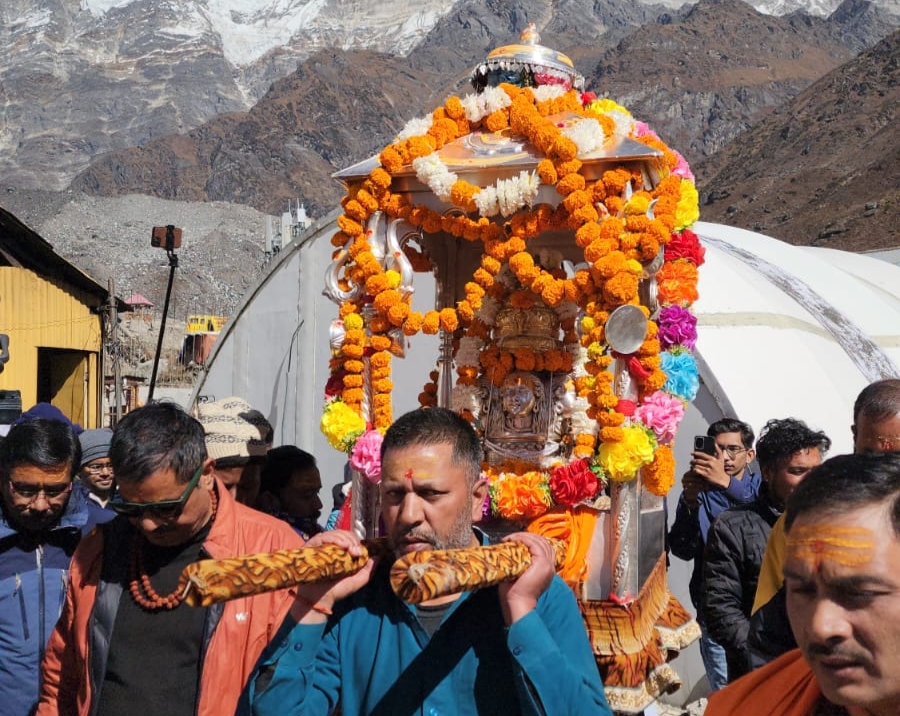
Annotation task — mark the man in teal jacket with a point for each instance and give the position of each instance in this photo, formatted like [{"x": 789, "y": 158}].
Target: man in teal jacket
[{"x": 518, "y": 648}]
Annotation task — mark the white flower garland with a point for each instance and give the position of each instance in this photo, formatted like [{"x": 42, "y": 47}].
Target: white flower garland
[
  {"x": 416, "y": 127},
  {"x": 587, "y": 134},
  {"x": 623, "y": 123},
  {"x": 432, "y": 172},
  {"x": 544, "y": 92},
  {"x": 479, "y": 106},
  {"x": 507, "y": 196}
]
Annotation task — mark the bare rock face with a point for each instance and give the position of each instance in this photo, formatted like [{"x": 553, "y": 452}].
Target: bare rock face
[
  {"x": 75, "y": 85},
  {"x": 700, "y": 82},
  {"x": 150, "y": 110},
  {"x": 825, "y": 168},
  {"x": 82, "y": 77},
  {"x": 222, "y": 253}
]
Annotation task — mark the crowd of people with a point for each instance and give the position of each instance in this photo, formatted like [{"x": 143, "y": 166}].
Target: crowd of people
[{"x": 795, "y": 582}]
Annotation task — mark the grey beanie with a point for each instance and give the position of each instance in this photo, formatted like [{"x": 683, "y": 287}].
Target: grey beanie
[{"x": 94, "y": 444}]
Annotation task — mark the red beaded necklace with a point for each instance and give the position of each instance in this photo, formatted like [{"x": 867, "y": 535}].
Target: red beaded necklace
[{"x": 142, "y": 591}]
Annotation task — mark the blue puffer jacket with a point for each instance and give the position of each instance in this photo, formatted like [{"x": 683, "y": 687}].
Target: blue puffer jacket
[{"x": 34, "y": 570}]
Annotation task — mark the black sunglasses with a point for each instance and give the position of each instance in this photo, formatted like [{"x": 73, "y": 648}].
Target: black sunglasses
[{"x": 164, "y": 509}]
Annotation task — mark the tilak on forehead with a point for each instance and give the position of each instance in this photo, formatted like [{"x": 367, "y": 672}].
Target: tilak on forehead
[{"x": 815, "y": 544}]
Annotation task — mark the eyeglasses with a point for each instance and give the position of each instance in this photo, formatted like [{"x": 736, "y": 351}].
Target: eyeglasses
[
  {"x": 30, "y": 492},
  {"x": 164, "y": 509},
  {"x": 97, "y": 469},
  {"x": 733, "y": 450}
]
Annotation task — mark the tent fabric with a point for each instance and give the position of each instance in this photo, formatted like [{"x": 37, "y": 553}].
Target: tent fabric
[{"x": 794, "y": 331}]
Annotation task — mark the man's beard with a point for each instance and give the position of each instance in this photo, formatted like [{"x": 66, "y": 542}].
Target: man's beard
[{"x": 458, "y": 536}]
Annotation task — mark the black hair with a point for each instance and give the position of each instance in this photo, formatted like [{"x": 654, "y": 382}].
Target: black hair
[
  {"x": 40, "y": 442},
  {"x": 878, "y": 401},
  {"x": 280, "y": 464},
  {"x": 781, "y": 438},
  {"x": 845, "y": 482},
  {"x": 432, "y": 426},
  {"x": 158, "y": 436},
  {"x": 732, "y": 425}
]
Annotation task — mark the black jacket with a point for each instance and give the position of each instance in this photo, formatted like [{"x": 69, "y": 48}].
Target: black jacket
[
  {"x": 734, "y": 552},
  {"x": 770, "y": 631}
]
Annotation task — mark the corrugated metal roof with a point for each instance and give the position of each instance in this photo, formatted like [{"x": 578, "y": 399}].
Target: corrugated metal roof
[{"x": 23, "y": 247}]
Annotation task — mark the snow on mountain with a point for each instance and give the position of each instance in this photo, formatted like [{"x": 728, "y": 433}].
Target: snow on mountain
[
  {"x": 820, "y": 8},
  {"x": 249, "y": 29}
]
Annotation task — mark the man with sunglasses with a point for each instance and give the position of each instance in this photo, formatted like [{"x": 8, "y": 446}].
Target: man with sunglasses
[
  {"x": 41, "y": 523},
  {"x": 125, "y": 642}
]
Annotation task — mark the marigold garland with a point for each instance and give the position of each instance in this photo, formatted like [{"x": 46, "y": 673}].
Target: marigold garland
[{"x": 621, "y": 225}]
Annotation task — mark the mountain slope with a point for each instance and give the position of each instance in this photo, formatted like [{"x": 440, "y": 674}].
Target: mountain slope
[
  {"x": 698, "y": 82},
  {"x": 825, "y": 169}
]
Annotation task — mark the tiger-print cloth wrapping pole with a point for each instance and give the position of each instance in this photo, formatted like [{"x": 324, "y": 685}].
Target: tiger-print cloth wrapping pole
[
  {"x": 420, "y": 576},
  {"x": 417, "y": 577},
  {"x": 217, "y": 580}
]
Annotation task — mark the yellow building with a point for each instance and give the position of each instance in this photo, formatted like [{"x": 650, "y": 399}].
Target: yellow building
[{"x": 52, "y": 316}]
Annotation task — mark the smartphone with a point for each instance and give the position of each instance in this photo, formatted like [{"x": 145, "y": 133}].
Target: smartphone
[{"x": 704, "y": 443}]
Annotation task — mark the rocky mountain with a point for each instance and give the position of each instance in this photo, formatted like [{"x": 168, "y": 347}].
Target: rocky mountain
[
  {"x": 699, "y": 81},
  {"x": 79, "y": 78},
  {"x": 825, "y": 168},
  {"x": 172, "y": 105}
]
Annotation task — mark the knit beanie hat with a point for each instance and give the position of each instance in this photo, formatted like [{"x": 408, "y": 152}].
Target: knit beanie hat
[
  {"x": 48, "y": 412},
  {"x": 94, "y": 444},
  {"x": 234, "y": 429}
]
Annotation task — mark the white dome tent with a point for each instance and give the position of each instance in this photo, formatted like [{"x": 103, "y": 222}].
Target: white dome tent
[{"x": 784, "y": 331}]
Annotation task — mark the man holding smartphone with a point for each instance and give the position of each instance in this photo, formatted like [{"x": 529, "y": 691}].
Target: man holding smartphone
[{"x": 719, "y": 478}]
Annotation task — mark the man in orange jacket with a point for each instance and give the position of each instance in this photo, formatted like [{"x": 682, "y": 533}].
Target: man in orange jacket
[
  {"x": 842, "y": 578},
  {"x": 125, "y": 643}
]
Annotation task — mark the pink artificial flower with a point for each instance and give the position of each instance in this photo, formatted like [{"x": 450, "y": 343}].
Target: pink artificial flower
[
  {"x": 642, "y": 129},
  {"x": 682, "y": 169},
  {"x": 365, "y": 457},
  {"x": 661, "y": 413}
]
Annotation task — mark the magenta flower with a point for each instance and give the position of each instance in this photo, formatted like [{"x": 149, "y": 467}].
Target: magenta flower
[{"x": 677, "y": 327}]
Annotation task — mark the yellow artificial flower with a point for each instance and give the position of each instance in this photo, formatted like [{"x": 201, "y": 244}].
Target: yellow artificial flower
[{"x": 621, "y": 460}]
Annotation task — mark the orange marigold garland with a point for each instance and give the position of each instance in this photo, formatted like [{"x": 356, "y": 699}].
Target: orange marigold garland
[{"x": 619, "y": 222}]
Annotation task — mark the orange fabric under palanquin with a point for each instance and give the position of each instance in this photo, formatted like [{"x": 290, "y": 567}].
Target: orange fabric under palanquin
[{"x": 576, "y": 528}]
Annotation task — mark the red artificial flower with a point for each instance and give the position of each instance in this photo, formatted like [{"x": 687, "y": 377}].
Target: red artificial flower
[
  {"x": 685, "y": 245},
  {"x": 335, "y": 384},
  {"x": 572, "y": 483}
]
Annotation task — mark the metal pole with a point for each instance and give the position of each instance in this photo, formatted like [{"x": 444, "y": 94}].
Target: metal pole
[{"x": 173, "y": 264}]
